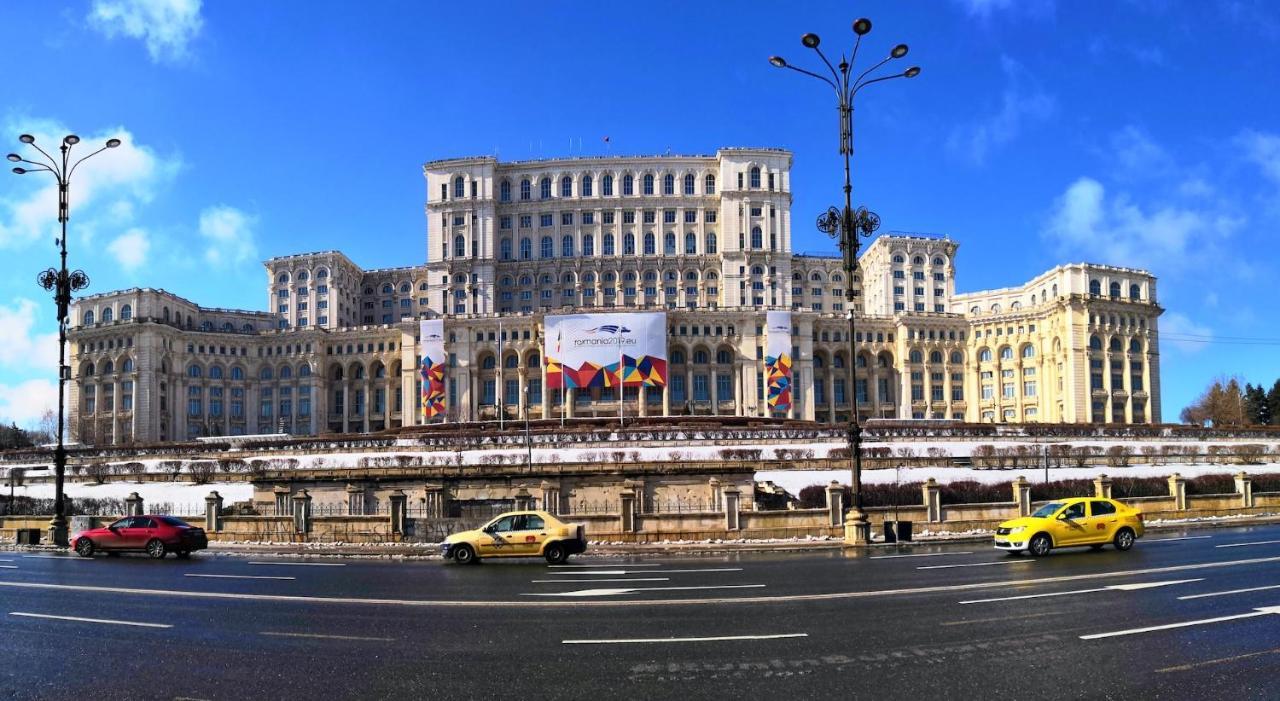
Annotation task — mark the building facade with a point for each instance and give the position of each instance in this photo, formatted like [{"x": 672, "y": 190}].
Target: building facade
[{"x": 707, "y": 239}]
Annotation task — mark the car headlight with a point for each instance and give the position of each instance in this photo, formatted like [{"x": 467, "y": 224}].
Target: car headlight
[{"x": 1017, "y": 529}]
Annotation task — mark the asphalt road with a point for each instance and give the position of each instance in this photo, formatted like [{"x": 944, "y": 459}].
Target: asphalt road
[{"x": 1183, "y": 615}]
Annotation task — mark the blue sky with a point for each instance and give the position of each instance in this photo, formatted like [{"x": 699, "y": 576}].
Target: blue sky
[{"x": 1135, "y": 132}]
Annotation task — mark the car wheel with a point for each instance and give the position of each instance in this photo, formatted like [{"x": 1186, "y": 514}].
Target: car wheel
[
  {"x": 1040, "y": 545},
  {"x": 156, "y": 549},
  {"x": 85, "y": 547},
  {"x": 464, "y": 554},
  {"x": 556, "y": 553},
  {"x": 1124, "y": 539}
]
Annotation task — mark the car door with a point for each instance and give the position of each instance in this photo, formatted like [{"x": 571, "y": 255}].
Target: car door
[
  {"x": 1071, "y": 524},
  {"x": 138, "y": 532},
  {"x": 495, "y": 540},
  {"x": 1102, "y": 522},
  {"x": 114, "y": 538},
  {"x": 528, "y": 540}
]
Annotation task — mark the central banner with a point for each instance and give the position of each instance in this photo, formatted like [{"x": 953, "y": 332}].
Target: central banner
[
  {"x": 587, "y": 350},
  {"x": 777, "y": 360},
  {"x": 431, "y": 372}
]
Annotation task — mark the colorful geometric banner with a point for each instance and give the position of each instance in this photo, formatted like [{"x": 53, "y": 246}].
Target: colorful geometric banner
[
  {"x": 777, "y": 360},
  {"x": 432, "y": 369},
  {"x": 586, "y": 350}
]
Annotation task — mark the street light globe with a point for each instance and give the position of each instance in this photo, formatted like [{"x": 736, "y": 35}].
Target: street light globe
[
  {"x": 14, "y": 157},
  {"x": 899, "y": 51},
  {"x": 778, "y": 61},
  {"x": 19, "y": 171},
  {"x": 810, "y": 40},
  {"x": 912, "y": 72},
  {"x": 112, "y": 143},
  {"x": 71, "y": 139},
  {"x": 861, "y": 26},
  {"x": 27, "y": 139}
]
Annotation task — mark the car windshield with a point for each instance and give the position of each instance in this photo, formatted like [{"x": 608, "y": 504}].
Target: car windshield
[
  {"x": 1047, "y": 510},
  {"x": 179, "y": 523}
]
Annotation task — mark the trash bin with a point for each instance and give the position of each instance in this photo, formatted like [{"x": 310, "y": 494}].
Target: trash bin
[
  {"x": 904, "y": 530},
  {"x": 890, "y": 536}
]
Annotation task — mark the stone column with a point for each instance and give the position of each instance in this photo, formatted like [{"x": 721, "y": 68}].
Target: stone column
[
  {"x": 627, "y": 511},
  {"x": 213, "y": 512},
  {"x": 932, "y": 500},
  {"x": 642, "y": 395},
  {"x": 1022, "y": 495},
  {"x": 281, "y": 493},
  {"x": 1244, "y": 487},
  {"x": 524, "y": 500},
  {"x": 302, "y": 512},
  {"x": 355, "y": 499},
  {"x": 739, "y": 402},
  {"x": 713, "y": 488},
  {"x": 1178, "y": 490},
  {"x": 550, "y": 497},
  {"x": 1102, "y": 486},
  {"x": 522, "y": 398},
  {"x": 368, "y": 405},
  {"x": 567, "y": 400},
  {"x": 435, "y": 496},
  {"x": 346, "y": 406},
  {"x": 133, "y": 504},
  {"x": 731, "y": 498},
  {"x": 546, "y": 393},
  {"x": 399, "y": 501},
  {"x": 715, "y": 394},
  {"x": 835, "y": 503},
  {"x": 666, "y": 397}
]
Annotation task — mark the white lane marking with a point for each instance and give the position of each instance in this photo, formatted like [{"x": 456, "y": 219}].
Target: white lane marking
[
  {"x": 1241, "y": 545},
  {"x": 1271, "y": 610},
  {"x": 323, "y": 637},
  {"x": 302, "y": 564},
  {"x": 632, "y": 590},
  {"x": 894, "y": 557},
  {"x": 977, "y": 564},
  {"x": 1225, "y": 593},
  {"x": 9, "y": 567},
  {"x": 1114, "y": 587},
  {"x": 607, "y": 579},
  {"x": 90, "y": 620},
  {"x": 517, "y": 603},
  {"x": 605, "y": 564},
  {"x": 616, "y": 572},
  {"x": 235, "y": 576},
  {"x": 1220, "y": 660},
  {"x": 58, "y": 557},
  {"x": 719, "y": 638},
  {"x": 6, "y": 560},
  {"x": 1170, "y": 540}
]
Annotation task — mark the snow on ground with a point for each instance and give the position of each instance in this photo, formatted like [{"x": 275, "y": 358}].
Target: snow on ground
[
  {"x": 178, "y": 493},
  {"x": 794, "y": 481}
]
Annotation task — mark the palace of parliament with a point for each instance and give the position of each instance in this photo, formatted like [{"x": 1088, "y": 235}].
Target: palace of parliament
[{"x": 705, "y": 239}]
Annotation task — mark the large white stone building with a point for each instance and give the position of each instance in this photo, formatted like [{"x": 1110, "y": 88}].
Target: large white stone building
[{"x": 705, "y": 238}]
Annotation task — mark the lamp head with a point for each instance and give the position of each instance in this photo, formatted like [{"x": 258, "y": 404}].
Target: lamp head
[
  {"x": 778, "y": 61},
  {"x": 810, "y": 40},
  {"x": 14, "y": 157},
  {"x": 899, "y": 51},
  {"x": 20, "y": 171},
  {"x": 912, "y": 72},
  {"x": 27, "y": 139},
  {"x": 861, "y": 26},
  {"x": 71, "y": 139},
  {"x": 112, "y": 143}
]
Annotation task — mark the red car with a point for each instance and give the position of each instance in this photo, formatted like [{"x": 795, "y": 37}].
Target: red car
[{"x": 154, "y": 535}]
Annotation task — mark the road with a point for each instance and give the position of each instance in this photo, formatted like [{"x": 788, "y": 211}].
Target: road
[{"x": 1185, "y": 614}]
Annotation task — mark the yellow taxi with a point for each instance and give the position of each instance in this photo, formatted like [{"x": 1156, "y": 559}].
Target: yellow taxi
[
  {"x": 1064, "y": 523},
  {"x": 517, "y": 534}
]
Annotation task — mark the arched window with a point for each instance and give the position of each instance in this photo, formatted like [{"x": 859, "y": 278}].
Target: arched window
[
  {"x": 937, "y": 261},
  {"x": 588, "y": 245},
  {"x": 548, "y": 248},
  {"x": 757, "y": 237},
  {"x": 504, "y": 249},
  {"x": 286, "y": 372},
  {"x": 504, "y": 191},
  {"x": 1095, "y": 287},
  {"x": 816, "y": 277},
  {"x": 533, "y": 361},
  {"x": 628, "y": 244},
  {"x": 956, "y": 358},
  {"x": 226, "y": 326},
  {"x": 709, "y": 184},
  {"x": 690, "y": 184},
  {"x": 459, "y": 187},
  {"x": 264, "y": 374},
  {"x": 700, "y": 357},
  {"x": 525, "y": 187},
  {"x": 127, "y": 364},
  {"x": 322, "y": 273},
  {"x": 586, "y": 186},
  {"x": 668, "y": 184},
  {"x": 194, "y": 371},
  {"x": 690, "y": 243},
  {"x": 215, "y": 373},
  {"x": 723, "y": 357},
  {"x": 566, "y": 186},
  {"x": 608, "y": 245},
  {"x": 677, "y": 357},
  {"x": 544, "y": 188},
  {"x": 126, "y": 312},
  {"x": 669, "y": 242},
  {"x": 862, "y": 361},
  {"x": 489, "y": 363},
  {"x": 526, "y": 248},
  {"x": 526, "y": 280},
  {"x": 106, "y": 315},
  {"x": 628, "y": 185},
  {"x": 1135, "y": 294},
  {"x": 589, "y": 278},
  {"x": 1028, "y": 351},
  {"x": 711, "y": 242},
  {"x": 915, "y": 357},
  {"x": 1095, "y": 343},
  {"x": 108, "y": 367},
  {"x": 1116, "y": 344},
  {"x": 899, "y": 259},
  {"x": 237, "y": 373},
  {"x": 917, "y": 261},
  {"x": 984, "y": 355},
  {"x": 755, "y": 178},
  {"x": 648, "y": 184},
  {"x": 606, "y": 186},
  {"x": 1135, "y": 346},
  {"x": 1006, "y": 353},
  {"x": 567, "y": 279},
  {"x": 404, "y": 287},
  {"x": 88, "y": 370},
  {"x": 566, "y": 246},
  {"x": 757, "y": 270},
  {"x": 935, "y": 357},
  {"x": 459, "y": 246},
  {"x": 304, "y": 370},
  {"x": 88, "y": 317},
  {"x": 1115, "y": 289},
  {"x": 206, "y": 326},
  {"x": 283, "y": 277},
  {"x": 650, "y": 245}
]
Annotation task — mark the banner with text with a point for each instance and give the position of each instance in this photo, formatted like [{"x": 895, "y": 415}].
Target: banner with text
[
  {"x": 432, "y": 369},
  {"x": 586, "y": 350},
  {"x": 777, "y": 360}
]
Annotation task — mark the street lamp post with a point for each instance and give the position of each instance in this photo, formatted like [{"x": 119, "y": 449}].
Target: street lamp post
[
  {"x": 61, "y": 283},
  {"x": 848, "y": 224}
]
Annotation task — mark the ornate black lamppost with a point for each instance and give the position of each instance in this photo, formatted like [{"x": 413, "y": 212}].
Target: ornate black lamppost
[
  {"x": 848, "y": 224},
  {"x": 61, "y": 283}
]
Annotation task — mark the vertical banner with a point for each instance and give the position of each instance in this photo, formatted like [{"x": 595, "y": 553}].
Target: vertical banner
[
  {"x": 777, "y": 360},
  {"x": 432, "y": 370},
  {"x": 601, "y": 350}
]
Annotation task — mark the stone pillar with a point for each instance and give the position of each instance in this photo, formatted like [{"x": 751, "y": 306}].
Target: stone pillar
[
  {"x": 355, "y": 499},
  {"x": 835, "y": 503},
  {"x": 399, "y": 501},
  {"x": 281, "y": 493},
  {"x": 133, "y": 504},
  {"x": 1102, "y": 487},
  {"x": 524, "y": 500},
  {"x": 932, "y": 500},
  {"x": 302, "y": 512},
  {"x": 1022, "y": 495},
  {"x": 1244, "y": 487},
  {"x": 642, "y": 396},
  {"x": 346, "y": 406},
  {"x": 435, "y": 507},
  {"x": 1178, "y": 490},
  {"x": 731, "y": 498},
  {"x": 567, "y": 401},
  {"x": 713, "y": 489},
  {"x": 213, "y": 512},
  {"x": 550, "y": 497},
  {"x": 627, "y": 511}
]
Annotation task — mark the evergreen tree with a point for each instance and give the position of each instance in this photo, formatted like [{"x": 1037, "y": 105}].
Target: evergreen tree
[
  {"x": 1255, "y": 405},
  {"x": 1273, "y": 405}
]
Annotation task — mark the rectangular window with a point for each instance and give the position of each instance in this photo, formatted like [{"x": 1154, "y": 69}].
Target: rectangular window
[
  {"x": 649, "y": 217},
  {"x": 544, "y": 220},
  {"x": 526, "y": 221},
  {"x": 566, "y": 219},
  {"x": 987, "y": 392},
  {"x": 701, "y": 390},
  {"x": 677, "y": 388},
  {"x": 504, "y": 222},
  {"x": 691, "y": 217},
  {"x": 1008, "y": 390},
  {"x": 709, "y": 216},
  {"x": 589, "y": 217},
  {"x": 1029, "y": 388},
  {"x": 607, "y": 217}
]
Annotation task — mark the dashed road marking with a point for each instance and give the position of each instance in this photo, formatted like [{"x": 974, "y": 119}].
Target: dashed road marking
[
  {"x": 9, "y": 567},
  {"x": 1271, "y": 610},
  {"x": 1225, "y": 593},
  {"x": 977, "y": 564},
  {"x": 589, "y": 565},
  {"x": 1114, "y": 587},
  {"x": 58, "y": 557},
  {"x": 633, "y": 590},
  {"x": 302, "y": 564},
  {"x": 894, "y": 557},
  {"x": 618, "y": 572},
  {"x": 1170, "y": 540},
  {"x": 1241, "y": 545},
  {"x": 719, "y": 638},
  {"x": 324, "y": 637},
  {"x": 607, "y": 579},
  {"x": 1220, "y": 660},
  {"x": 90, "y": 620},
  {"x": 237, "y": 576},
  {"x": 971, "y": 621}
]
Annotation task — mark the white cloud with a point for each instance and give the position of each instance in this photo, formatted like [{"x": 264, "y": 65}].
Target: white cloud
[
  {"x": 1020, "y": 105},
  {"x": 1138, "y": 156},
  {"x": 985, "y": 9},
  {"x": 1178, "y": 329},
  {"x": 20, "y": 346},
  {"x": 1264, "y": 151},
  {"x": 130, "y": 248},
  {"x": 24, "y": 402},
  {"x": 167, "y": 27},
  {"x": 228, "y": 235},
  {"x": 107, "y": 188}
]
